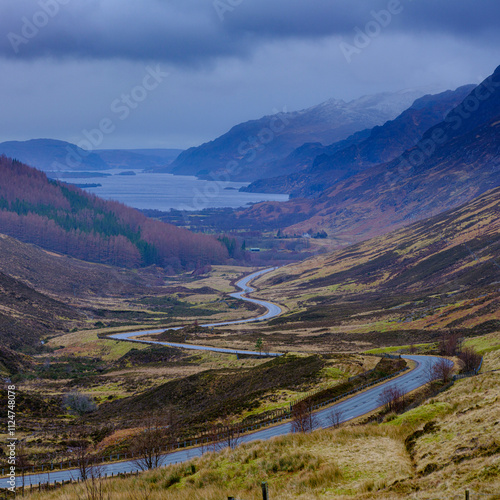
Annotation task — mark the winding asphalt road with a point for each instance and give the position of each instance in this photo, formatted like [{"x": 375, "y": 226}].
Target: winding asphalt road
[
  {"x": 273, "y": 310},
  {"x": 356, "y": 406}
]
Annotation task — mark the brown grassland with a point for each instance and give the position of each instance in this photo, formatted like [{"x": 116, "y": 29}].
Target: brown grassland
[{"x": 434, "y": 451}]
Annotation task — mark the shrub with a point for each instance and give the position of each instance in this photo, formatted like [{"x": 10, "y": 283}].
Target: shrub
[
  {"x": 78, "y": 404},
  {"x": 470, "y": 358}
]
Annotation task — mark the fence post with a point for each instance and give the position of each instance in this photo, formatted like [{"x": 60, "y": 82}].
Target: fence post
[{"x": 265, "y": 492}]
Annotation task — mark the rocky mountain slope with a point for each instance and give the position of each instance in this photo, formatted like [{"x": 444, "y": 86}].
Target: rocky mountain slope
[
  {"x": 249, "y": 150},
  {"x": 323, "y": 166}
]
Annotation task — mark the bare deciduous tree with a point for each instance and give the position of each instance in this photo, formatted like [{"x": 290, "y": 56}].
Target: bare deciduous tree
[
  {"x": 22, "y": 461},
  {"x": 78, "y": 403},
  {"x": 335, "y": 417},
  {"x": 209, "y": 443},
  {"x": 93, "y": 486},
  {"x": 470, "y": 358},
  {"x": 303, "y": 419},
  {"x": 232, "y": 437},
  {"x": 150, "y": 442},
  {"x": 224, "y": 435},
  {"x": 392, "y": 398},
  {"x": 450, "y": 344},
  {"x": 412, "y": 349},
  {"x": 83, "y": 458},
  {"x": 442, "y": 370}
]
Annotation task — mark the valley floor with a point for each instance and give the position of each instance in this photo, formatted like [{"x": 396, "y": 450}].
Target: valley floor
[{"x": 436, "y": 451}]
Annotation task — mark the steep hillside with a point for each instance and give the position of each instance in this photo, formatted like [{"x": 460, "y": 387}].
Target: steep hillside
[
  {"x": 26, "y": 315},
  {"x": 248, "y": 151},
  {"x": 454, "y": 161},
  {"x": 407, "y": 286},
  {"x": 326, "y": 165},
  {"x": 64, "y": 277},
  {"x": 12, "y": 362},
  {"x": 65, "y": 219}
]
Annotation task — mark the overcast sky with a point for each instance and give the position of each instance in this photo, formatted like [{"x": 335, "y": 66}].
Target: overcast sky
[{"x": 176, "y": 73}]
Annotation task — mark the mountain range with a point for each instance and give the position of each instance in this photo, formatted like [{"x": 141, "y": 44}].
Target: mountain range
[
  {"x": 454, "y": 161},
  {"x": 325, "y": 165},
  {"x": 251, "y": 150}
]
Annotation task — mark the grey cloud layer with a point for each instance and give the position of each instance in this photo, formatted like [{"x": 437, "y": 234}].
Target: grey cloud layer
[{"x": 185, "y": 32}]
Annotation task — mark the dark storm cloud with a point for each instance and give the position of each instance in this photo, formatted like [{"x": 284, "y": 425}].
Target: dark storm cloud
[
  {"x": 327, "y": 17},
  {"x": 185, "y": 32},
  {"x": 177, "y": 32}
]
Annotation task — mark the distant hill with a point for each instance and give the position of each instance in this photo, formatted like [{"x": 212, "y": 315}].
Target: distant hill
[
  {"x": 65, "y": 219},
  {"x": 323, "y": 166},
  {"x": 51, "y": 155},
  {"x": 144, "y": 159},
  {"x": 456, "y": 160},
  {"x": 168, "y": 155},
  {"x": 254, "y": 146}
]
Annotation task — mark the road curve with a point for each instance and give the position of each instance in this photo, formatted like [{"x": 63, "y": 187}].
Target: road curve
[
  {"x": 356, "y": 406},
  {"x": 353, "y": 407},
  {"x": 273, "y": 310}
]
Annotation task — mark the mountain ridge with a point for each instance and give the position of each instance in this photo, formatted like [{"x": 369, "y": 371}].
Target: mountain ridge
[
  {"x": 247, "y": 151},
  {"x": 328, "y": 164}
]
